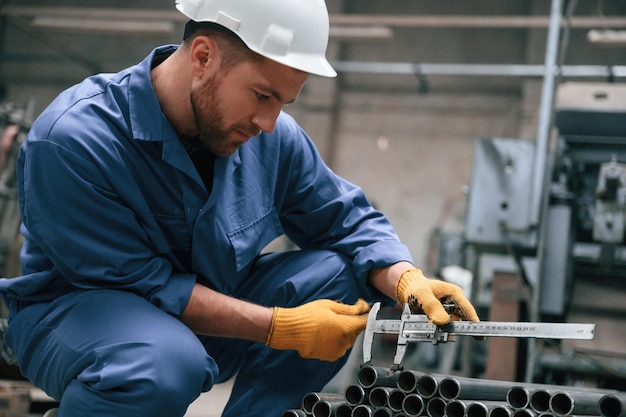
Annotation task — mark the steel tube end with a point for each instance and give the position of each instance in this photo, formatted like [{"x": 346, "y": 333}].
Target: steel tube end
[
  {"x": 436, "y": 407},
  {"x": 477, "y": 409},
  {"x": 427, "y": 386},
  {"x": 396, "y": 397},
  {"x": 449, "y": 388},
  {"x": 540, "y": 400},
  {"x": 561, "y": 403},
  {"x": 611, "y": 406},
  {"x": 500, "y": 411},
  {"x": 455, "y": 409},
  {"x": 518, "y": 397},
  {"x": 413, "y": 405}
]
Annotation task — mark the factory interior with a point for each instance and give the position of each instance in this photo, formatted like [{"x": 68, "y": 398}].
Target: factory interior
[{"x": 491, "y": 133}]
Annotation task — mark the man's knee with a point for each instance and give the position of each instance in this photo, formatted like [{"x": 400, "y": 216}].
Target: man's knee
[
  {"x": 164, "y": 374},
  {"x": 292, "y": 278}
]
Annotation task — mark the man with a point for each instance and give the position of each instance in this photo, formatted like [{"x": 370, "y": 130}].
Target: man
[{"x": 147, "y": 197}]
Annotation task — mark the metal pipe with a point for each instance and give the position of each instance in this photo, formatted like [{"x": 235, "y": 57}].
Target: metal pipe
[
  {"x": 477, "y": 409},
  {"x": 372, "y": 376},
  {"x": 455, "y": 388},
  {"x": 436, "y": 407},
  {"x": 477, "y": 70},
  {"x": 518, "y": 397},
  {"x": 580, "y": 403},
  {"x": 355, "y": 394},
  {"x": 413, "y": 405},
  {"x": 327, "y": 408},
  {"x": 612, "y": 405},
  {"x": 362, "y": 410},
  {"x": 407, "y": 380},
  {"x": 293, "y": 412},
  {"x": 494, "y": 408},
  {"x": 428, "y": 385},
  {"x": 540, "y": 181},
  {"x": 344, "y": 410},
  {"x": 540, "y": 400},
  {"x": 501, "y": 411},
  {"x": 379, "y": 396},
  {"x": 395, "y": 400},
  {"x": 455, "y": 408},
  {"x": 524, "y": 412},
  {"x": 310, "y": 399},
  {"x": 382, "y": 412}
]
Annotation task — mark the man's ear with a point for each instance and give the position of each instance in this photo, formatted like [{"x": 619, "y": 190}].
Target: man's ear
[{"x": 203, "y": 55}]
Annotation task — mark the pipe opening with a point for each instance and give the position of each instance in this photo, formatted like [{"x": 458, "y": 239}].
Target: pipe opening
[
  {"x": 396, "y": 397},
  {"x": 427, "y": 386},
  {"x": 540, "y": 401},
  {"x": 610, "y": 406},
  {"x": 449, "y": 389},
  {"x": 518, "y": 397},
  {"x": 413, "y": 405},
  {"x": 561, "y": 403},
  {"x": 477, "y": 410}
]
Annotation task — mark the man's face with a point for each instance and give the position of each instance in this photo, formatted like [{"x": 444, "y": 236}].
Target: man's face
[{"x": 230, "y": 108}]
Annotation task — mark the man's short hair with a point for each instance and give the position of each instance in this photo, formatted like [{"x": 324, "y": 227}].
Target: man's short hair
[{"x": 234, "y": 50}]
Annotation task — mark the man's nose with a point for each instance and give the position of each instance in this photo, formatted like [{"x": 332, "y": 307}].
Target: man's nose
[{"x": 266, "y": 119}]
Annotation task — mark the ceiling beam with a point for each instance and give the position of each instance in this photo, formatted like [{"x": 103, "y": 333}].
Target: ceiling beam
[{"x": 407, "y": 21}]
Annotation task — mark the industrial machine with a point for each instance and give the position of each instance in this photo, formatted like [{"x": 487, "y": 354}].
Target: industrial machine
[{"x": 549, "y": 243}]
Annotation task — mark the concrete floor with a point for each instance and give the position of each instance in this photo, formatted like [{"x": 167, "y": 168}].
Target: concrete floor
[{"x": 211, "y": 404}]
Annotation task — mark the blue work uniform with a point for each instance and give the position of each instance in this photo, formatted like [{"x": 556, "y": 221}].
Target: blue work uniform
[{"x": 119, "y": 226}]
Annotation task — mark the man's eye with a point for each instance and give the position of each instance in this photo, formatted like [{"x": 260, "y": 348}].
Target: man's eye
[{"x": 262, "y": 97}]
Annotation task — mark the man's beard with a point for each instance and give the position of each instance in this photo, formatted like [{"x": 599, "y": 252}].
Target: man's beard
[{"x": 210, "y": 121}]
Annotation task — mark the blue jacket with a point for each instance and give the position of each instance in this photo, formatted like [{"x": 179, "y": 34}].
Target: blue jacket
[{"x": 110, "y": 199}]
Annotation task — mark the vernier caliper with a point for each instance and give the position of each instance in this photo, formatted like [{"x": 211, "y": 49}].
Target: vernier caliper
[{"x": 417, "y": 328}]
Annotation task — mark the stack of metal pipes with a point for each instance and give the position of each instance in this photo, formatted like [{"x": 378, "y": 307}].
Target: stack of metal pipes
[{"x": 382, "y": 392}]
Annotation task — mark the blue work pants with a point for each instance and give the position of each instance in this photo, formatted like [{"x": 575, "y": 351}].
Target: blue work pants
[{"x": 112, "y": 353}]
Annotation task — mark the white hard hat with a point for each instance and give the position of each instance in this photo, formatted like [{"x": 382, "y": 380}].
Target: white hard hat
[{"x": 291, "y": 32}]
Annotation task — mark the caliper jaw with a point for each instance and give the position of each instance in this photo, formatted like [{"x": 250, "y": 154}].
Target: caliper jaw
[
  {"x": 406, "y": 334},
  {"x": 402, "y": 328}
]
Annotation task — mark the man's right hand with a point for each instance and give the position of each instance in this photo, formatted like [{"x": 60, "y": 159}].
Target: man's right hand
[{"x": 321, "y": 329}]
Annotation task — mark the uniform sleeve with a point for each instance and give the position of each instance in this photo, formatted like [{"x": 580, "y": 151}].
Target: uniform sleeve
[
  {"x": 323, "y": 210},
  {"x": 87, "y": 232}
]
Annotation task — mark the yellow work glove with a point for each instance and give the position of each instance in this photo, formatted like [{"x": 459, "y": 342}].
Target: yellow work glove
[
  {"x": 425, "y": 294},
  {"x": 321, "y": 329}
]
